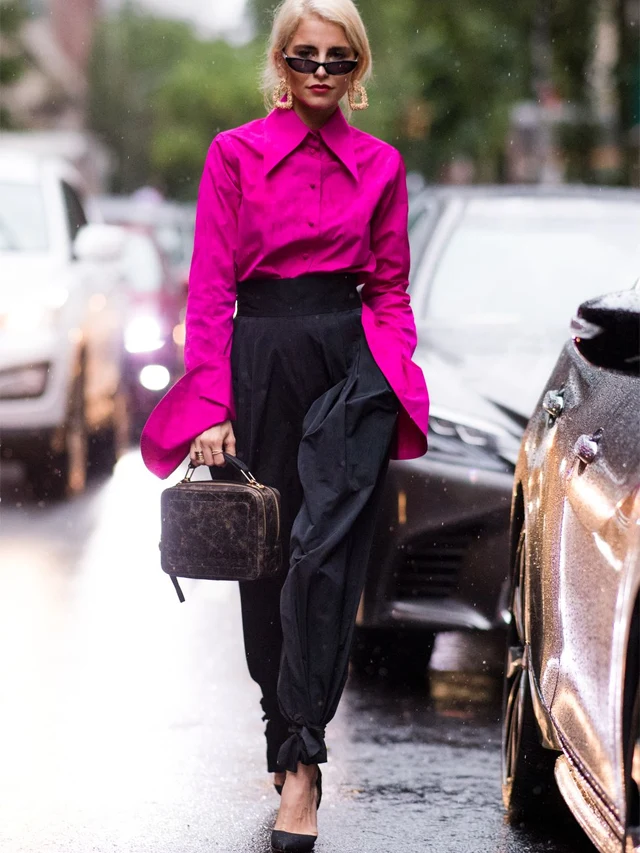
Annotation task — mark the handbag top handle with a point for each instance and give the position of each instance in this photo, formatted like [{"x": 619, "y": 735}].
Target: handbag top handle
[{"x": 238, "y": 464}]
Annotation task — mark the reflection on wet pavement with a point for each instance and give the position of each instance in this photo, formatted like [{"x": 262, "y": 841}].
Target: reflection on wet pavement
[{"x": 128, "y": 722}]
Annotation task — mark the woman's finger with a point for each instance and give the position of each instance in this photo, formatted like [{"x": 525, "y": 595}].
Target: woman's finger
[
  {"x": 217, "y": 456},
  {"x": 230, "y": 444},
  {"x": 208, "y": 454},
  {"x": 195, "y": 453}
]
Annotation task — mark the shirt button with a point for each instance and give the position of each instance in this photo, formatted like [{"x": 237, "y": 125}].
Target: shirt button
[
  {"x": 311, "y": 225},
  {"x": 306, "y": 256},
  {"x": 313, "y": 186}
]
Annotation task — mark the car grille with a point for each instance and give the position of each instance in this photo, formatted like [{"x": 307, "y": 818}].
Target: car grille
[{"x": 430, "y": 568}]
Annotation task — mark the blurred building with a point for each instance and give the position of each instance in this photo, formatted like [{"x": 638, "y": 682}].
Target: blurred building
[
  {"x": 46, "y": 105},
  {"x": 56, "y": 40}
]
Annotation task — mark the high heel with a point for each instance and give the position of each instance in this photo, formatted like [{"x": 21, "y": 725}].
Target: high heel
[
  {"x": 278, "y": 788},
  {"x": 295, "y": 842},
  {"x": 291, "y": 842}
]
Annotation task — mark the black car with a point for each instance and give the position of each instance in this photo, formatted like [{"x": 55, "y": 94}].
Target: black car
[
  {"x": 496, "y": 273},
  {"x": 571, "y": 722}
]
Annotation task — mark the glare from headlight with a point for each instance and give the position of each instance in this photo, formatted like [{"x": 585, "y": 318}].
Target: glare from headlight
[
  {"x": 143, "y": 334},
  {"x": 30, "y": 318},
  {"x": 179, "y": 334},
  {"x": 154, "y": 377},
  {"x": 26, "y": 314}
]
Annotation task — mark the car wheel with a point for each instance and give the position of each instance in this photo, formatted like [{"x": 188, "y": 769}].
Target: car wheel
[
  {"x": 399, "y": 655},
  {"x": 632, "y": 757},
  {"x": 62, "y": 471},
  {"x": 107, "y": 446},
  {"x": 528, "y": 784}
]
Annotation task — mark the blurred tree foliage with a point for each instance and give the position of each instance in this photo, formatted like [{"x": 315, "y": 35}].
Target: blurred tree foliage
[
  {"x": 572, "y": 32},
  {"x": 159, "y": 95},
  {"x": 214, "y": 88},
  {"x": 446, "y": 75},
  {"x": 134, "y": 54},
  {"x": 628, "y": 80},
  {"x": 13, "y": 62}
]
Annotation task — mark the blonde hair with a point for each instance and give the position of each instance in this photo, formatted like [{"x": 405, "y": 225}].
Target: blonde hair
[{"x": 286, "y": 20}]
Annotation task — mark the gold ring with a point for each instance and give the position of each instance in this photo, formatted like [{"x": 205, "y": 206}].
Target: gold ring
[
  {"x": 199, "y": 454},
  {"x": 218, "y": 451}
]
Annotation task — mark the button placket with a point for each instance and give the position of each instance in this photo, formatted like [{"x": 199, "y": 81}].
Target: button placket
[{"x": 313, "y": 194}]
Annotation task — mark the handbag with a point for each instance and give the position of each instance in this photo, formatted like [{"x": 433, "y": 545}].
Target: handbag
[{"x": 220, "y": 529}]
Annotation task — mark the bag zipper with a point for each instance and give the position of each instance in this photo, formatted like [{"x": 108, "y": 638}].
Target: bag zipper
[
  {"x": 275, "y": 498},
  {"x": 260, "y": 487}
]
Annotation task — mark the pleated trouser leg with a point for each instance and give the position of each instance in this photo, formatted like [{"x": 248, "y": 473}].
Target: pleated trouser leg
[
  {"x": 315, "y": 418},
  {"x": 342, "y": 460}
]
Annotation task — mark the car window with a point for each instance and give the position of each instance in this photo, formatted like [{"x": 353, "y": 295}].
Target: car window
[
  {"x": 533, "y": 260},
  {"x": 75, "y": 212},
  {"x": 142, "y": 264},
  {"x": 23, "y": 221},
  {"x": 422, "y": 219}
]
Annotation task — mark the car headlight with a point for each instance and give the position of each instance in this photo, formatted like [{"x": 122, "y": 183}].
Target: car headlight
[
  {"x": 468, "y": 441},
  {"x": 24, "y": 314},
  {"x": 20, "y": 382},
  {"x": 143, "y": 334},
  {"x": 29, "y": 318}
]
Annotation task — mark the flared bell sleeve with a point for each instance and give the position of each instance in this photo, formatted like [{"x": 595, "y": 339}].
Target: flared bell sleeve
[
  {"x": 387, "y": 318},
  {"x": 203, "y": 397}
]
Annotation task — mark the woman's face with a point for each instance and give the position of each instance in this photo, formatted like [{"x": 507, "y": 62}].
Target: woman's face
[{"x": 322, "y": 41}]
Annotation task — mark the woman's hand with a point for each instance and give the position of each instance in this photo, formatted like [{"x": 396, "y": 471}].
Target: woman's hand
[{"x": 211, "y": 443}]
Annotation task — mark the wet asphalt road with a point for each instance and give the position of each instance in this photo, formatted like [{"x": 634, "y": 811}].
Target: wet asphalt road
[{"x": 128, "y": 722}]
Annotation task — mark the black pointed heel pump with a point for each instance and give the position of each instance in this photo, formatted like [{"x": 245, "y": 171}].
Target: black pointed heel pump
[
  {"x": 295, "y": 842},
  {"x": 291, "y": 842}
]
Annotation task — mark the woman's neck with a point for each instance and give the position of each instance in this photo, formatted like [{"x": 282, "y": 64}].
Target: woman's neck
[{"x": 314, "y": 119}]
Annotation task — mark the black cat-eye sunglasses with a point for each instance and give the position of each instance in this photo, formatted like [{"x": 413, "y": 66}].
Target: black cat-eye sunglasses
[{"x": 310, "y": 66}]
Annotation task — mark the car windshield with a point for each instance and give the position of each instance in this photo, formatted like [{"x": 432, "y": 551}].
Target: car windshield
[
  {"x": 23, "y": 223},
  {"x": 523, "y": 260}
]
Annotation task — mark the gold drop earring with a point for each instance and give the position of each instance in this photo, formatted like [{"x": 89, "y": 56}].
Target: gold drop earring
[
  {"x": 282, "y": 90},
  {"x": 357, "y": 90}
]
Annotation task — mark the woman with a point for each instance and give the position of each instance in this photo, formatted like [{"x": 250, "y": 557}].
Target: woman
[{"x": 312, "y": 382}]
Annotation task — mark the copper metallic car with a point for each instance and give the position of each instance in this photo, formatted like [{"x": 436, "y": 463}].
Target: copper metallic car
[{"x": 571, "y": 721}]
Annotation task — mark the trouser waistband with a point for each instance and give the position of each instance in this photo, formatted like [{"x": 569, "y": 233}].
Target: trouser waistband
[{"x": 322, "y": 293}]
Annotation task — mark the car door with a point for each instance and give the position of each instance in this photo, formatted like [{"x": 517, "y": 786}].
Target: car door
[{"x": 597, "y": 474}]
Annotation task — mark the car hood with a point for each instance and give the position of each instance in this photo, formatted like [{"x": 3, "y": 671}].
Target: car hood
[
  {"x": 33, "y": 278},
  {"x": 490, "y": 373}
]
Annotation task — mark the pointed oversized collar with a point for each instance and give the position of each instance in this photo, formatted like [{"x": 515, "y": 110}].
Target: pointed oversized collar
[{"x": 284, "y": 131}]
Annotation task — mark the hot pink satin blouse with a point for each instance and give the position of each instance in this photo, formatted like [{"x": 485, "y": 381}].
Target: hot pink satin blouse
[{"x": 278, "y": 200}]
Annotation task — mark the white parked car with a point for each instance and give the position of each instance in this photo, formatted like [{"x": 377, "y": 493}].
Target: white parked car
[{"x": 62, "y": 405}]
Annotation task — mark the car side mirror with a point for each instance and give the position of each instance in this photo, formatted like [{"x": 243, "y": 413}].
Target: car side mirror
[
  {"x": 99, "y": 242},
  {"x": 606, "y": 331}
]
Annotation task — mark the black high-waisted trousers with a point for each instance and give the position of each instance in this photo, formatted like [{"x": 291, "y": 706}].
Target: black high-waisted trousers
[{"x": 314, "y": 419}]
